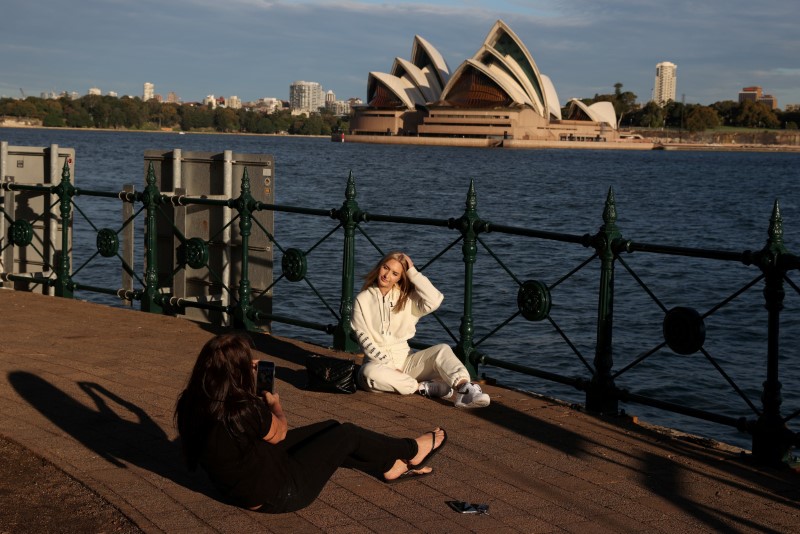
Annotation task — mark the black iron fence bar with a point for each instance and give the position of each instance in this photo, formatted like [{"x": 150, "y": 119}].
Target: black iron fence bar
[
  {"x": 738, "y": 423},
  {"x": 730, "y": 381},
  {"x": 571, "y": 345},
  {"x": 66, "y": 192},
  {"x": 630, "y": 246},
  {"x": 120, "y": 195},
  {"x": 734, "y": 295},
  {"x": 794, "y": 286},
  {"x": 584, "y": 239},
  {"x": 294, "y": 209},
  {"x": 14, "y": 186},
  {"x": 95, "y": 289},
  {"x": 641, "y": 284},
  {"x": 28, "y": 279},
  {"x": 320, "y": 327},
  {"x": 636, "y": 361},
  {"x": 419, "y": 221},
  {"x": 577, "y": 383},
  {"x": 182, "y": 200}
]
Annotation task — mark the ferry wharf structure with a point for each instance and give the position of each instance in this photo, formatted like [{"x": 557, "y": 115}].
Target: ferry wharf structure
[{"x": 98, "y": 403}]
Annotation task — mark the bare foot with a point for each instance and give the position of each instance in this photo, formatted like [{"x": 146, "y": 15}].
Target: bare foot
[
  {"x": 425, "y": 445},
  {"x": 401, "y": 467}
]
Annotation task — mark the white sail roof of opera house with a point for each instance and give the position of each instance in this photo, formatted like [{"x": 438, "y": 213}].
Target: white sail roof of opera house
[
  {"x": 402, "y": 68},
  {"x": 513, "y": 53},
  {"x": 475, "y": 84},
  {"x": 552, "y": 97},
  {"x": 427, "y": 58},
  {"x": 597, "y": 112},
  {"x": 414, "y": 82},
  {"x": 501, "y": 73},
  {"x": 385, "y": 90}
]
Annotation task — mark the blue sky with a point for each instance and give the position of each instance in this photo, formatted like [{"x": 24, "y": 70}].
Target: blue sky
[{"x": 257, "y": 48}]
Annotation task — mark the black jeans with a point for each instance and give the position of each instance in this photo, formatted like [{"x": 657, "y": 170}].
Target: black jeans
[{"x": 316, "y": 451}]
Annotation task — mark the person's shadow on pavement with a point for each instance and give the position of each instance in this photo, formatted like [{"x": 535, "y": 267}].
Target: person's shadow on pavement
[{"x": 116, "y": 429}]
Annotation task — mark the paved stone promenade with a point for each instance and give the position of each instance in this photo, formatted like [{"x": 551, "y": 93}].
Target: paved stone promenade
[{"x": 92, "y": 389}]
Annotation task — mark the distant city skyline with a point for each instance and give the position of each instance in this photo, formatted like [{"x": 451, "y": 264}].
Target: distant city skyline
[{"x": 256, "y": 50}]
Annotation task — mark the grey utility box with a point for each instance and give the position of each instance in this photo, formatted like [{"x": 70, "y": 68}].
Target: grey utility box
[
  {"x": 37, "y": 166},
  {"x": 214, "y": 176}
]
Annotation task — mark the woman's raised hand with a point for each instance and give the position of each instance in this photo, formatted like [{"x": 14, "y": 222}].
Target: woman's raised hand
[{"x": 408, "y": 261}]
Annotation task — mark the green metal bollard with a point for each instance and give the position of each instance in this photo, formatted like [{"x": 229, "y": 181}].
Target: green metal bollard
[
  {"x": 601, "y": 392},
  {"x": 348, "y": 215},
  {"x": 65, "y": 191},
  {"x": 468, "y": 224},
  {"x": 151, "y": 198},
  {"x": 242, "y": 317},
  {"x": 771, "y": 437}
]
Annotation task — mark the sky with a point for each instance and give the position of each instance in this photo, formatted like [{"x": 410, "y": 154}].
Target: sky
[{"x": 257, "y": 48}]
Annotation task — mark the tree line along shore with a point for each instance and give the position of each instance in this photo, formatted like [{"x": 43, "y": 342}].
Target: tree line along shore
[{"x": 725, "y": 122}]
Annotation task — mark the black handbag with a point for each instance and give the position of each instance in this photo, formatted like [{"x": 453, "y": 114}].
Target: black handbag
[{"x": 330, "y": 375}]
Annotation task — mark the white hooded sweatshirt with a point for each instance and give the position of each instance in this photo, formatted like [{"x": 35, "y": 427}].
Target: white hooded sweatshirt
[{"x": 382, "y": 332}]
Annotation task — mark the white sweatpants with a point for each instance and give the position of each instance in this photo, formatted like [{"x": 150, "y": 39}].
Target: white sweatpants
[{"x": 438, "y": 362}]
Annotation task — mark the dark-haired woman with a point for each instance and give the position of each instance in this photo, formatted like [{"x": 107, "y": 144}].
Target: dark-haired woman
[
  {"x": 395, "y": 295},
  {"x": 243, "y": 442}
]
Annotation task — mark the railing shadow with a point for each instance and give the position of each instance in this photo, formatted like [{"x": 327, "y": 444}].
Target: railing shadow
[
  {"x": 660, "y": 474},
  {"x": 137, "y": 440}
]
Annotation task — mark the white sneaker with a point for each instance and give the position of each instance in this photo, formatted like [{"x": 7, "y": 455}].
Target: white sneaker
[
  {"x": 471, "y": 396},
  {"x": 434, "y": 388}
]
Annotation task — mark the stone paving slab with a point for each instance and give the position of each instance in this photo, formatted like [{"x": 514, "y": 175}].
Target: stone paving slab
[{"x": 92, "y": 389}]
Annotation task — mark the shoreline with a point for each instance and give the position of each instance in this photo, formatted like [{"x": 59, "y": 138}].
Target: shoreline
[
  {"x": 469, "y": 142},
  {"x": 564, "y": 145}
]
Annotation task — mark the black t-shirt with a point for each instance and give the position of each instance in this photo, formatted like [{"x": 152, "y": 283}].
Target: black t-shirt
[{"x": 244, "y": 467}]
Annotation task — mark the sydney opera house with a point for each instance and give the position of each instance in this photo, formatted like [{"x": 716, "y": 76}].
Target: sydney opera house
[{"x": 496, "y": 97}]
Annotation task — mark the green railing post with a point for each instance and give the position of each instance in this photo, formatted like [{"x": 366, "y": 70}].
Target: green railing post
[
  {"x": 151, "y": 198},
  {"x": 600, "y": 394},
  {"x": 468, "y": 225},
  {"x": 65, "y": 191},
  {"x": 771, "y": 437},
  {"x": 242, "y": 312},
  {"x": 348, "y": 215}
]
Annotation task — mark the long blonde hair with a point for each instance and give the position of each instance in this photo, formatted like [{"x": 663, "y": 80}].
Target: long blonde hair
[{"x": 404, "y": 284}]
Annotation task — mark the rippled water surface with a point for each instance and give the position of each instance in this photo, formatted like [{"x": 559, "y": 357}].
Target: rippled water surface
[{"x": 706, "y": 200}]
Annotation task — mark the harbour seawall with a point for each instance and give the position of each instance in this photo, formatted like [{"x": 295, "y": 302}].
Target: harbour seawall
[
  {"x": 490, "y": 143},
  {"x": 654, "y": 143}
]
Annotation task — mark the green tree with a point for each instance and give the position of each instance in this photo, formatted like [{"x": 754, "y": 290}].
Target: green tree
[
  {"x": 53, "y": 120},
  {"x": 19, "y": 108},
  {"x": 196, "y": 117},
  {"x": 674, "y": 114},
  {"x": 78, "y": 117},
  {"x": 133, "y": 112},
  {"x": 700, "y": 118},
  {"x": 281, "y": 119},
  {"x": 726, "y": 110},
  {"x": 755, "y": 115},
  {"x": 226, "y": 120},
  {"x": 650, "y": 116}
]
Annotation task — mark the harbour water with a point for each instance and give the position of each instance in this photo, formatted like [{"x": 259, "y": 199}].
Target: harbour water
[{"x": 719, "y": 201}]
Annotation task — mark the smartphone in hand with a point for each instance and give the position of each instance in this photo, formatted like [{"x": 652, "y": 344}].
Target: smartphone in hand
[{"x": 265, "y": 377}]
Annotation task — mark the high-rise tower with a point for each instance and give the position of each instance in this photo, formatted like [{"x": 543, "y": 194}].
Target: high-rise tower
[
  {"x": 666, "y": 79},
  {"x": 148, "y": 91},
  {"x": 306, "y": 97}
]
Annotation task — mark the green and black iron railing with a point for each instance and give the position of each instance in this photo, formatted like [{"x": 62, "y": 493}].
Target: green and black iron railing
[{"x": 683, "y": 329}]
